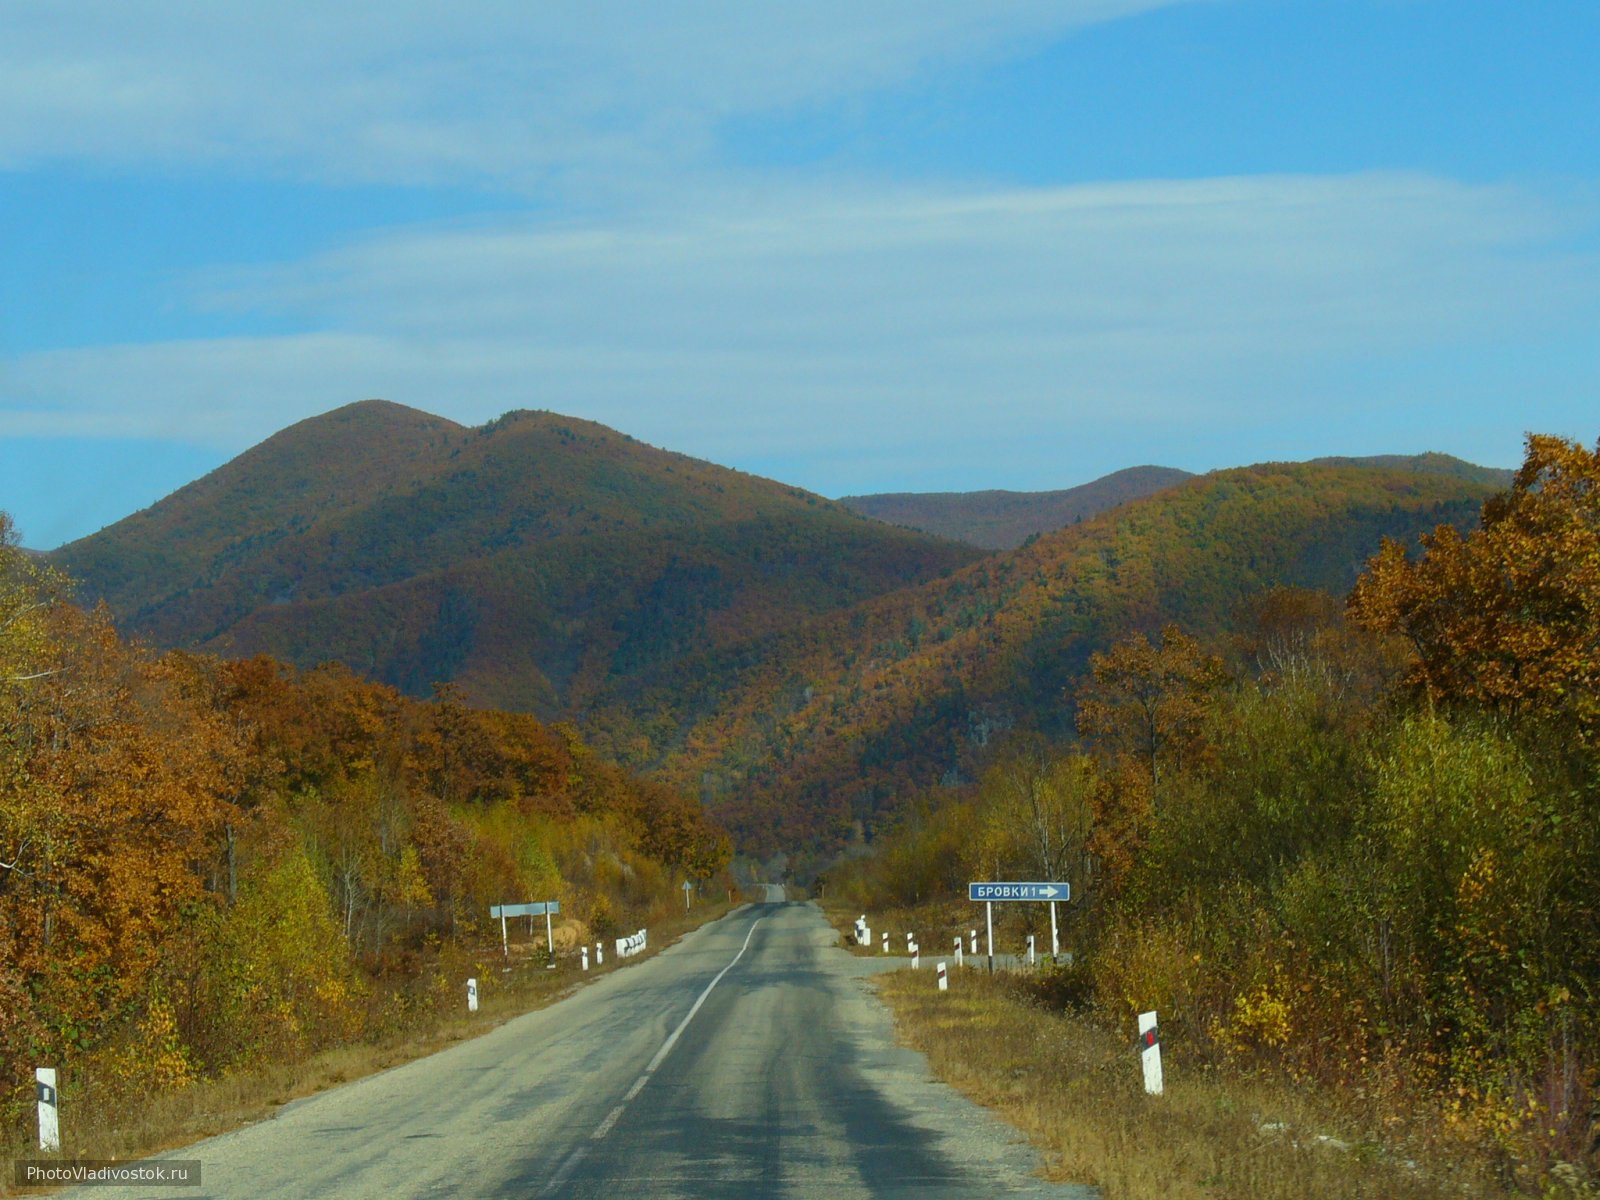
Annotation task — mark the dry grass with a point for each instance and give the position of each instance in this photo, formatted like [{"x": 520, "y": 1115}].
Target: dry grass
[
  {"x": 1076, "y": 1092},
  {"x": 166, "y": 1122}
]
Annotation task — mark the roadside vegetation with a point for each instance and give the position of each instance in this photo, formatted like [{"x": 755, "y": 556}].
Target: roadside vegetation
[
  {"x": 1350, "y": 855},
  {"x": 102, "y": 1125},
  {"x": 221, "y": 881},
  {"x": 1073, "y": 1087}
]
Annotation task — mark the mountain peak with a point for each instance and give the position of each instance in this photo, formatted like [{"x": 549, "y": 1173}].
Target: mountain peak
[{"x": 533, "y": 558}]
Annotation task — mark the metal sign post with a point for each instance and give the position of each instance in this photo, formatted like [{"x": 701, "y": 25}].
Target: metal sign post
[
  {"x": 686, "y": 890},
  {"x": 988, "y": 916}
]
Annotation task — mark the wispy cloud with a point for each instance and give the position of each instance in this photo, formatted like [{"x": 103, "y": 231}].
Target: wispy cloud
[
  {"x": 515, "y": 94},
  {"x": 928, "y": 324}
]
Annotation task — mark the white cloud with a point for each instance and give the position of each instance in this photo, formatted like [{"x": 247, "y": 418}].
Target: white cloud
[
  {"x": 469, "y": 90},
  {"x": 947, "y": 329}
]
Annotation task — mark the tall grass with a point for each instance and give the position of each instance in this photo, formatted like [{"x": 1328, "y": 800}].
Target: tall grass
[{"x": 1075, "y": 1089}]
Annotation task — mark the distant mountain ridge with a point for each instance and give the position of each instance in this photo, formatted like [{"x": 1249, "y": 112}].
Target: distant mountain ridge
[
  {"x": 997, "y": 519},
  {"x": 1003, "y": 520}
]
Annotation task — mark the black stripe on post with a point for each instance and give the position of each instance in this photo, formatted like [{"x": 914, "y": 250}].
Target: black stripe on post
[
  {"x": 47, "y": 1094},
  {"x": 1149, "y": 1039}
]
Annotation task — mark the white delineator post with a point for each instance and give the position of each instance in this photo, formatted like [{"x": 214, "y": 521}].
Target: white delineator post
[
  {"x": 599, "y": 953},
  {"x": 944, "y": 980},
  {"x": 885, "y": 941},
  {"x": 472, "y": 995},
  {"x": 1150, "y": 1052},
  {"x": 974, "y": 936},
  {"x": 585, "y": 952},
  {"x": 49, "y": 1113},
  {"x": 1030, "y": 949},
  {"x": 916, "y": 956},
  {"x": 958, "y": 951}
]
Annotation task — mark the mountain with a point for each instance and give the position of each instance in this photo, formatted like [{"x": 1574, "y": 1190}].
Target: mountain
[
  {"x": 798, "y": 664},
  {"x": 537, "y": 561},
  {"x": 1001, "y": 520},
  {"x": 831, "y": 722}
]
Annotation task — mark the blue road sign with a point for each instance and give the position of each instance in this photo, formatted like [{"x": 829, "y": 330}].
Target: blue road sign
[{"x": 1019, "y": 891}]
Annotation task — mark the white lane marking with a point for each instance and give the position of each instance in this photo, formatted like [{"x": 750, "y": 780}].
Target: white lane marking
[
  {"x": 611, "y": 1119},
  {"x": 666, "y": 1046},
  {"x": 615, "y": 1114},
  {"x": 566, "y": 1169}
]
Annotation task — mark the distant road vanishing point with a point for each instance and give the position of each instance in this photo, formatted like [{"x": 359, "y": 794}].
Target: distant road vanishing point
[{"x": 749, "y": 1060}]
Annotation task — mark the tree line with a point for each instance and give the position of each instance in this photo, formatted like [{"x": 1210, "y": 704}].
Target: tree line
[{"x": 1357, "y": 841}]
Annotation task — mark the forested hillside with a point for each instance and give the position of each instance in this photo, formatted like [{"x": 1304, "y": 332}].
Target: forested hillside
[
  {"x": 797, "y": 666},
  {"x": 833, "y": 721},
  {"x": 206, "y": 864},
  {"x": 1355, "y": 843},
  {"x": 535, "y": 562}
]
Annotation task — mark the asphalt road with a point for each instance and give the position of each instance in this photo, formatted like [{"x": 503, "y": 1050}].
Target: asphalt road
[{"x": 749, "y": 1060}]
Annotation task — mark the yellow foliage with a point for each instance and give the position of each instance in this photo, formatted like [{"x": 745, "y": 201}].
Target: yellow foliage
[
  {"x": 1261, "y": 1018},
  {"x": 153, "y": 1059}
]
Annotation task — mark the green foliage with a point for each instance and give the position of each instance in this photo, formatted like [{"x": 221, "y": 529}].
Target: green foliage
[
  {"x": 280, "y": 978},
  {"x": 1386, "y": 888}
]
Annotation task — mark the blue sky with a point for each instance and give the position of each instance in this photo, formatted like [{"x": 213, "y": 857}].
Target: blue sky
[{"x": 906, "y": 246}]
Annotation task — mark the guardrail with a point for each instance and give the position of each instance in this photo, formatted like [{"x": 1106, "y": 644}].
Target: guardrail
[{"x": 631, "y": 944}]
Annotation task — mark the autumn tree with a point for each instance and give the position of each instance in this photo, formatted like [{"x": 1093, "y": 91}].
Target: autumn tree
[
  {"x": 1507, "y": 616},
  {"x": 1147, "y": 701},
  {"x": 1038, "y": 811}
]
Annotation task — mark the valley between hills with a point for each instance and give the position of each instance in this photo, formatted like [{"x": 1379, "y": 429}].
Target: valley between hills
[{"x": 1313, "y": 744}]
